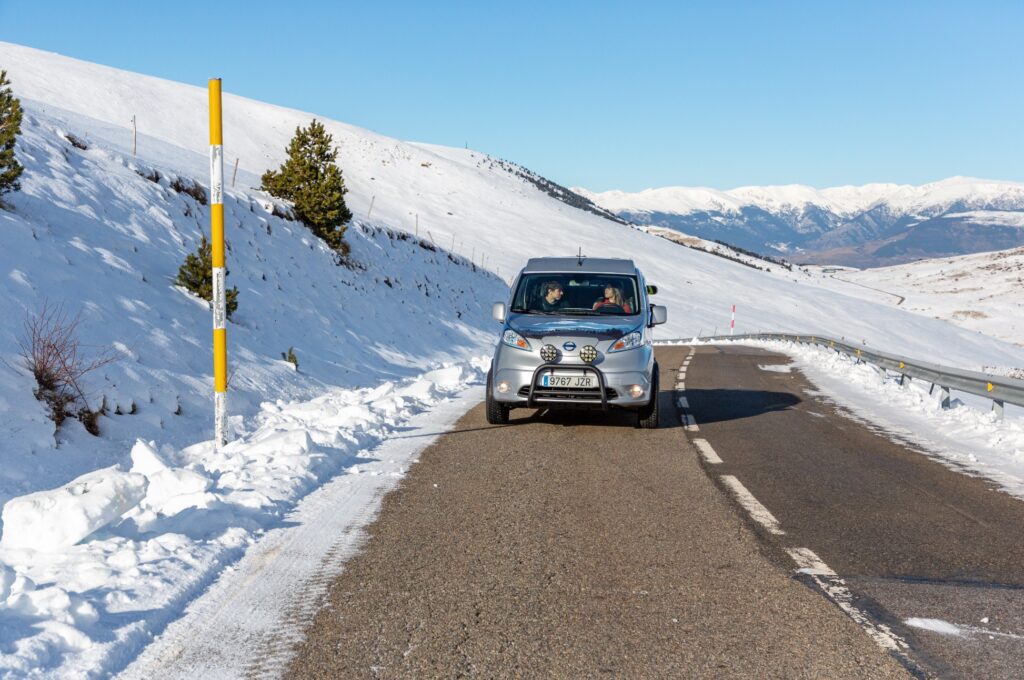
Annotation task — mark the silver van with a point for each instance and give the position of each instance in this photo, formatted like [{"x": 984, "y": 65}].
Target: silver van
[{"x": 576, "y": 333}]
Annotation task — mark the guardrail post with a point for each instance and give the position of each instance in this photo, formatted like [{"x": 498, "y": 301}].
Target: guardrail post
[
  {"x": 997, "y": 408},
  {"x": 944, "y": 396}
]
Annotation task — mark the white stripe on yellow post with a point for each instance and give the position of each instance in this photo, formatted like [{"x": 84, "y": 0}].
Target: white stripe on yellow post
[{"x": 220, "y": 333}]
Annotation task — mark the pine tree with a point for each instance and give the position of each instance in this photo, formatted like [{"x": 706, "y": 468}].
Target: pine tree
[
  {"x": 10, "y": 128},
  {"x": 312, "y": 181},
  {"x": 196, "y": 275}
]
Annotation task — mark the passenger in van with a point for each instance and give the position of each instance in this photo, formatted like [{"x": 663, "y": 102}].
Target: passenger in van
[
  {"x": 613, "y": 298},
  {"x": 552, "y": 299}
]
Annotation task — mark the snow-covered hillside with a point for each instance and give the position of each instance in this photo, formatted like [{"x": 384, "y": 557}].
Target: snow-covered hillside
[
  {"x": 102, "y": 232},
  {"x": 861, "y": 225}
]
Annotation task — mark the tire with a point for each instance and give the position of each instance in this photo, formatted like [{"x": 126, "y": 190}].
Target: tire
[
  {"x": 647, "y": 416},
  {"x": 497, "y": 413}
]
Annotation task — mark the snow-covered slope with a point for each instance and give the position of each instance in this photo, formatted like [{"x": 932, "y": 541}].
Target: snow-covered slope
[
  {"x": 983, "y": 292},
  {"x": 91, "y": 230},
  {"x": 866, "y": 225}
]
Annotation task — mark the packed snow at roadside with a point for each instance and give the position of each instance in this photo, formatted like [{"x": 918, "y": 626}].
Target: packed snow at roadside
[{"x": 106, "y": 539}]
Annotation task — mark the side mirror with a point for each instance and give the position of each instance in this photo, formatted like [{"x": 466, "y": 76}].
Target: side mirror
[
  {"x": 498, "y": 311},
  {"x": 652, "y": 289},
  {"x": 659, "y": 314}
]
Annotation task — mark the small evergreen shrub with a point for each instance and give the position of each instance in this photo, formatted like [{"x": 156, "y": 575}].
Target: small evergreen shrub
[
  {"x": 290, "y": 357},
  {"x": 196, "y": 276},
  {"x": 311, "y": 179},
  {"x": 10, "y": 128}
]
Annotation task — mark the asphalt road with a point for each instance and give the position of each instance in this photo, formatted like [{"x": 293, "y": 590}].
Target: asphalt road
[
  {"x": 568, "y": 545},
  {"x": 909, "y": 537}
]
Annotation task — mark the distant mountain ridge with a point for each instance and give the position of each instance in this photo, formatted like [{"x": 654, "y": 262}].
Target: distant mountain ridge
[{"x": 865, "y": 226}]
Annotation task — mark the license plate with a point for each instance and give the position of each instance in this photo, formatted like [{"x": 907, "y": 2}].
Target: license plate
[{"x": 579, "y": 381}]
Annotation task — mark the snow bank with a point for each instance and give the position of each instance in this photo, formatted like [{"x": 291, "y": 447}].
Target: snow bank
[
  {"x": 173, "y": 522},
  {"x": 51, "y": 520},
  {"x": 170, "y": 489}
]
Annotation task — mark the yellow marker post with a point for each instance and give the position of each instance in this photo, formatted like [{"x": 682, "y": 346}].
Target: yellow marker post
[{"x": 220, "y": 333}]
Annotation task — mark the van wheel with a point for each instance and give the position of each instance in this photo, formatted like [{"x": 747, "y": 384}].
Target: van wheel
[
  {"x": 497, "y": 413},
  {"x": 647, "y": 416}
]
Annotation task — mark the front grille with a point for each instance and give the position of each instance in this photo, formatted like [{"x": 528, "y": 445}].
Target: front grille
[{"x": 569, "y": 393}]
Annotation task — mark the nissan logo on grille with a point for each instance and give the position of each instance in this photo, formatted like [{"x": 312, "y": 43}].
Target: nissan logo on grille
[{"x": 569, "y": 346}]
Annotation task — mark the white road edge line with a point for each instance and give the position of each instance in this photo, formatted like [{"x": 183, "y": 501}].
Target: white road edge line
[
  {"x": 835, "y": 589},
  {"x": 705, "y": 450},
  {"x": 757, "y": 512}
]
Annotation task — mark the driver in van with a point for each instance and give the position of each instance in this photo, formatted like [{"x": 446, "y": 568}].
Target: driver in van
[{"x": 552, "y": 299}]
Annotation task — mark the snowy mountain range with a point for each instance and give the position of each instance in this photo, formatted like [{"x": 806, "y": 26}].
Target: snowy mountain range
[{"x": 870, "y": 225}]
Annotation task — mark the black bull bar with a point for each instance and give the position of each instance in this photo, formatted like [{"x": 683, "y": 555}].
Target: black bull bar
[{"x": 578, "y": 394}]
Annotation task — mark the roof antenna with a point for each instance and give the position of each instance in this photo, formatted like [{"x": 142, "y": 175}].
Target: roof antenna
[{"x": 579, "y": 257}]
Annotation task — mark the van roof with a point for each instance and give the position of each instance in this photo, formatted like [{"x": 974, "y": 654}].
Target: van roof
[{"x": 591, "y": 265}]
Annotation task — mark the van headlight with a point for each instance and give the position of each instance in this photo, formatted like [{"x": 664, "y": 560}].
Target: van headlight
[
  {"x": 627, "y": 341},
  {"x": 513, "y": 339}
]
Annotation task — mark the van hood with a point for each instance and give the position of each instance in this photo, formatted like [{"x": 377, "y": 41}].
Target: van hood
[{"x": 600, "y": 327}]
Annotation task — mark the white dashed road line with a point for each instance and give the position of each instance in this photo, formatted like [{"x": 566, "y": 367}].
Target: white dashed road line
[
  {"x": 807, "y": 562},
  {"x": 705, "y": 450},
  {"x": 836, "y": 590},
  {"x": 757, "y": 512}
]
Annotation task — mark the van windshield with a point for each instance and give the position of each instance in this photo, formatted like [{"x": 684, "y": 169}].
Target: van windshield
[{"x": 577, "y": 294}]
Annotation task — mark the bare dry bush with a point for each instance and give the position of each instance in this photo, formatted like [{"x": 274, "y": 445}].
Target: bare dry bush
[{"x": 58, "y": 361}]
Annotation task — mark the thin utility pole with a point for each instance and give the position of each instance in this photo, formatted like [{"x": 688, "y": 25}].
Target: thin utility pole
[
  {"x": 134, "y": 136},
  {"x": 234, "y": 173}
]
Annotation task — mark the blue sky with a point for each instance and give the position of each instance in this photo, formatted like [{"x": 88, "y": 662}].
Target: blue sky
[{"x": 606, "y": 95}]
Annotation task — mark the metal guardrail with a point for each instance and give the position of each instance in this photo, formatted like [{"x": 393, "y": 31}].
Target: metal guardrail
[{"x": 1001, "y": 390}]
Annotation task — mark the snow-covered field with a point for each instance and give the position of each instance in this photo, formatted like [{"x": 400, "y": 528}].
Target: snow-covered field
[
  {"x": 983, "y": 292},
  {"x": 125, "y": 550}
]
